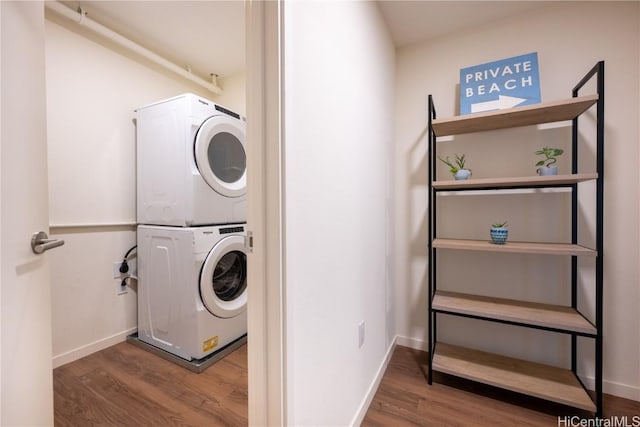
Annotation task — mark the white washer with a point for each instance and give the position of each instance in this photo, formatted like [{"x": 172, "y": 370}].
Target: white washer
[
  {"x": 191, "y": 163},
  {"x": 192, "y": 295}
]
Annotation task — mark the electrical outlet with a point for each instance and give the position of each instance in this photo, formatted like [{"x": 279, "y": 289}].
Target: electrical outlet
[
  {"x": 120, "y": 277},
  {"x": 122, "y": 290},
  {"x": 360, "y": 334},
  {"x": 132, "y": 269},
  {"x": 116, "y": 271}
]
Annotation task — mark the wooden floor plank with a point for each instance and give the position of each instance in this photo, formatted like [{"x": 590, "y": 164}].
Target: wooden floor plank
[
  {"x": 126, "y": 386},
  {"x": 452, "y": 401},
  {"x": 138, "y": 388}
]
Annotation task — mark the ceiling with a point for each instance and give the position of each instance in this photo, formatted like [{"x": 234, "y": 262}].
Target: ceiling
[
  {"x": 209, "y": 37},
  {"x": 206, "y": 36},
  {"x": 413, "y": 21}
]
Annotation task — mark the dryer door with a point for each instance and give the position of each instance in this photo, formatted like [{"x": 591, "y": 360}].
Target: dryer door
[
  {"x": 223, "y": 279},
  {"x": 220, "y": 155}
]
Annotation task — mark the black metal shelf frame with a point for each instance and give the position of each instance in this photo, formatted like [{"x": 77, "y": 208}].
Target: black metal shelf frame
[{"x": 598, "y": 72}]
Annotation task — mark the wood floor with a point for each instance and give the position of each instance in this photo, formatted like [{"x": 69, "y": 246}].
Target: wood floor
[
  {"x": 127, "y": 386},
  {"x": 404, "y": 399},
  {"x": 124, "y": 385}
]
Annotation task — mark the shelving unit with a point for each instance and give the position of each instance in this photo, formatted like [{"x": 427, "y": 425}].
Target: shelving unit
[{"x": 535, "y": 379}]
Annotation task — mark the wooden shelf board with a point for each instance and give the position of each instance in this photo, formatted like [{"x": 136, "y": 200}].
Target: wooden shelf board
[
  {"x": 547, "y": 112},
  {"x": 523, "y": 181},
  {"x": 534, "y": 379},
  {"x": 514, "y": 247},
  {"x": 523, "y": 312}
]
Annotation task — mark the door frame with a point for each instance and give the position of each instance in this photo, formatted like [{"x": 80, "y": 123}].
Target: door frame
[{"x": 266, "y": 284}]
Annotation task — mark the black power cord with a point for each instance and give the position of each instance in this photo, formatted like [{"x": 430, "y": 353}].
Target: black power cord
[{"x": 124, "y": 266}]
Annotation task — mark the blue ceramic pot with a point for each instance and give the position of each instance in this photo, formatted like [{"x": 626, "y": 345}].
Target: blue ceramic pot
[
  {"x": 462, "y": 174},
  {"x": 547, "y": 170},
  {"x": 499, "y": 235}
]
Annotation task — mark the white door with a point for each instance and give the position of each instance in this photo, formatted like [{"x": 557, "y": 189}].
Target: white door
[{"x": 26, "y": 396}]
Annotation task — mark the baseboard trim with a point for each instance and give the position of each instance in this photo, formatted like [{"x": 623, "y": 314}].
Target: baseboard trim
[
  {"x": 610, "y": 387},
  {"x": 371, "y": 392},
  {"x": 413, "y": 343},
  {"x": 85, "y": 350}
]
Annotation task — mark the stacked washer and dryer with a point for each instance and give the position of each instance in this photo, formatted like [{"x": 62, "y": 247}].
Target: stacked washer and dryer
[{"x": 191, "y": 214}]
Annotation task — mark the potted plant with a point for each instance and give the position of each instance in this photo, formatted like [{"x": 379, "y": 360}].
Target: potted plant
[
  {"x": 547, "y": 166},
  {"x": 456, "y": 167},
  {"x": 499, "y": 233}
]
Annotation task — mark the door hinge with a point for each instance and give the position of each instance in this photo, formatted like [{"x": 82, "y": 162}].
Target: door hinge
[{"x": 248, "y": 242}]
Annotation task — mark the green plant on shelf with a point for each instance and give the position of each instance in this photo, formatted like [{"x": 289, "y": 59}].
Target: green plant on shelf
[
  {"x": 455, "y": 165},
  {"x": 551, "y": 156},
  {"x": 500, "y": 225}
]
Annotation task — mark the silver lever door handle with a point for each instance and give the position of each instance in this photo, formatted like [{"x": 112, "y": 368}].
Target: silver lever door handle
[{"x": 40, "y": 242}]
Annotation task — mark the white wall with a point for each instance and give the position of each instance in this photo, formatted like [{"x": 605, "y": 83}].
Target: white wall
[
  {"x": 92, "y": 92},
  {"x": 338, "y": 202},
  {"x": 570, "y": 38}
]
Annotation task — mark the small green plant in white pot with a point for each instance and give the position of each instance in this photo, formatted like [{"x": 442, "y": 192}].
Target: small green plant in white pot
[
  {"x": 547, "y": 166},
  {"x": 499, "y": 233},
  {"x": 457, "y": 166}
]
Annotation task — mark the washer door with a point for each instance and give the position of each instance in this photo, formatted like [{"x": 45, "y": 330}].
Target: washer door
[
  {"x": 220, "y": 155},
  {"x": 223, "y": 279}
]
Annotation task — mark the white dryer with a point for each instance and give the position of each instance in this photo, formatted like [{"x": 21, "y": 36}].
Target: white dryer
[
  {"x": 192, "y": 288},
  {"x": 191, "y": 163}
]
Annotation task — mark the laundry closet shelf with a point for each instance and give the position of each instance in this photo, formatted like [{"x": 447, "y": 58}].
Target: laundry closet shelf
[
  {"x": 547, "y": 112},
  {"x": 534, "y": 379},
  {"x": 545, "y": 316},
  {"x": 514, "y": 182}
]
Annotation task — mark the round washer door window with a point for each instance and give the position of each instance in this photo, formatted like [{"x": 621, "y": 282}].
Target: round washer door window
[
  {"x": 223, "y": 279},
  {"x": 220, "y": 155}
]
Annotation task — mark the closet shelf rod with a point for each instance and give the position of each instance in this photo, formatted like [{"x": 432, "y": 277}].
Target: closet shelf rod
[
  {"x": 131, "y": 224},
  {"x": 81, "y": 19}
]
